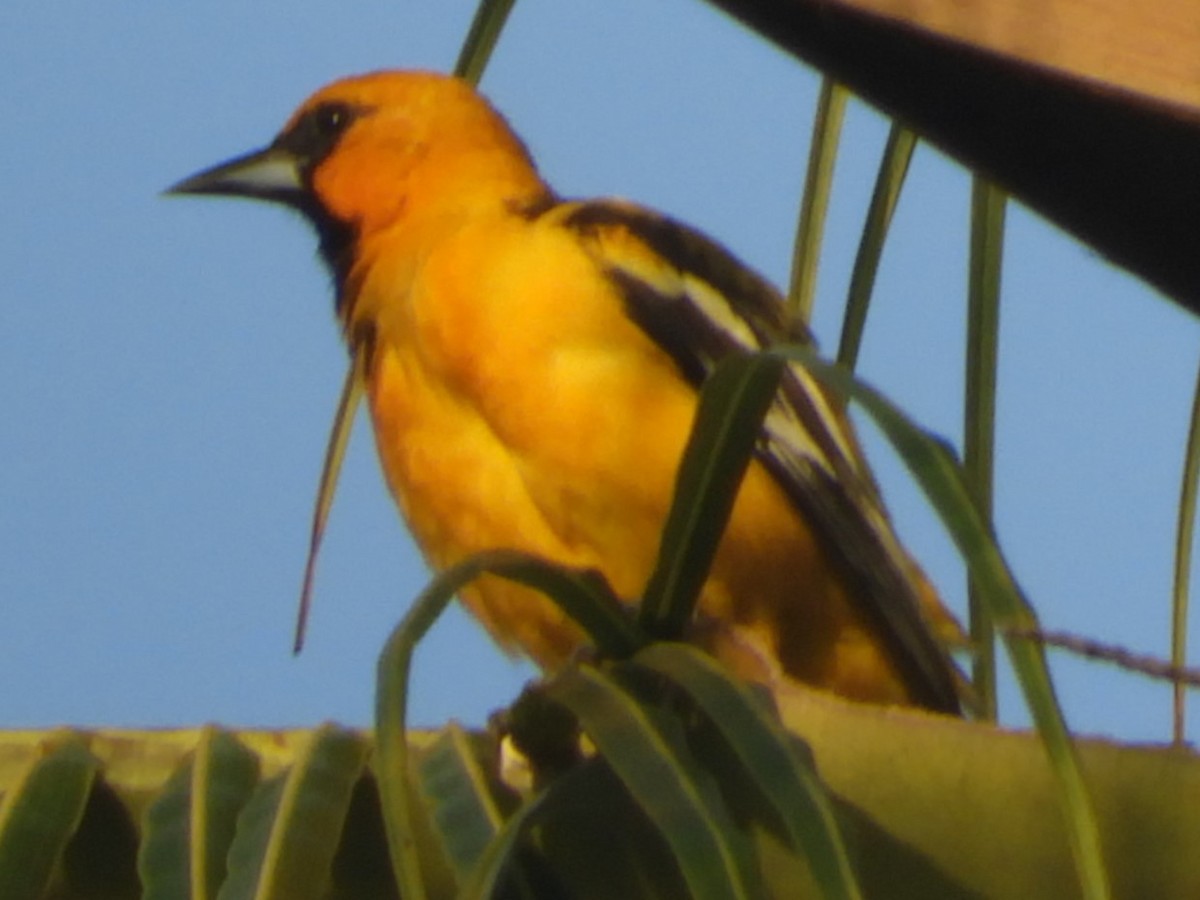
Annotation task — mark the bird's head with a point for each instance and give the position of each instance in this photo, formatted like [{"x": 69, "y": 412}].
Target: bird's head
[{"x": 380, "y": 150}]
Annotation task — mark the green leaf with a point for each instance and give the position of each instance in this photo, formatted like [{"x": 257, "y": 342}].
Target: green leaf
[
  {"x": 893, "y": 168},
  {"x": 1180, "y": 587},
  {"x": 39, "y": 813},
  {"x": 768, "y": 756},
  {"x": 688, "y": 813},
  {"x": 930, "y": 806},
  {"x": 289, "y": 831},
  {"x": 496, "y": 860},
  {"x": 481, "y": 39},
  {"x": 190, "y": 826},
  {"x": 456, "y": 793},
  {"x": 597, "y": 841},
  {"x": 391, "y": 734},
  {"x": 940, "y": 477},
  {"x": 939, "y": 807},
  {"x": 814, "y": 202},
  {"x": 988, "y": 204},
  {"x": 729, "y": 419},
  {"x": 583, "y": 595}
]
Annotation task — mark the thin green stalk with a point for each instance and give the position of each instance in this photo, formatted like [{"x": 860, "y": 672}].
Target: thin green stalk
[
  {"x": 489, "y": 20},
  {"x": 1183, "y": 566},
  {"x": 822, "y": 154},
  {"x": 893, "y": 167},
  {"x": 979, "y": 416}
]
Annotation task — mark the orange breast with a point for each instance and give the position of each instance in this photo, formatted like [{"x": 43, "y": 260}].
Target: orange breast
[{"x": 515, "y": 406}]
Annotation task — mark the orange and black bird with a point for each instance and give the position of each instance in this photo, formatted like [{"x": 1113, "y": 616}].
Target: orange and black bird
[{"x": 532, "y": 366}]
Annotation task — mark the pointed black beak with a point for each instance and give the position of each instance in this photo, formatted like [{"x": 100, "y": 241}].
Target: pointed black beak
[{"x": 272, "y": 173}]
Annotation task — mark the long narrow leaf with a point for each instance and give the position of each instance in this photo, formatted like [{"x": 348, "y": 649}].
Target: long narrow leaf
[
  {"x": 768, "y": 757},
  {"x": 497, "y": 857},
  {"x": 584, "y": 595},
  {"x": 581, "y": 594},
  {"x": 335, "y": 452},
  {"x": 988, "y": 203},
  {"x": 941, "y": 479},
  {"x": 1184, "y": 530},
  {"x": 489, "y": 20},
  {"x": 822, "y": 154},
  {"x": 893, "y": 168},
  {"x": 591, "y": 838},
  {"x": 701, "y": 836},
  {"x": 391, "y": 714},
  {"x": 733, "y": 403}
]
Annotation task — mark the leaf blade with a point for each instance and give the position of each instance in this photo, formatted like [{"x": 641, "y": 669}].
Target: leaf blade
[
  {"x": 768, "y": 756},
  {"x": 698, "y": 833}
]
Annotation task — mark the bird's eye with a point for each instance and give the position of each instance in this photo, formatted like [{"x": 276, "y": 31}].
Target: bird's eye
[
  {"x": 331, "y": 119},
  {"x": 313, "y": 135}
]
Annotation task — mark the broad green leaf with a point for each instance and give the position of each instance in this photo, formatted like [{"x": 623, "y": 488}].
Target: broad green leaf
[
  {"x": 166, "y": 856},
  {"x": 290, "y": 829},
  {"x": 39, "y": 813},
  {"x": 456, "y": 794},
  {"x": 955, "y": 809},
  {"x": 189, "y": 828},
  {"x": 929, "y": 806}
]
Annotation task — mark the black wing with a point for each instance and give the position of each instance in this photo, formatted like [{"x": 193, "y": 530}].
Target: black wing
[{"x": 699, "y": 303}]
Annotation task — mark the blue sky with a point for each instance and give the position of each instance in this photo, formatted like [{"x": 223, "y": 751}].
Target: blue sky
[{"x": 168, "y": 368}]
